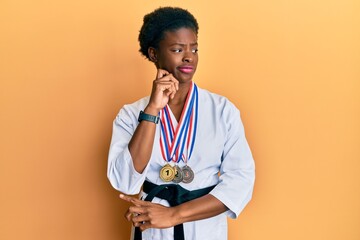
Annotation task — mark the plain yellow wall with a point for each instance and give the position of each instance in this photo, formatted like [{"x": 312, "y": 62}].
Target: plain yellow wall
[{"x": 292, "y": 67}]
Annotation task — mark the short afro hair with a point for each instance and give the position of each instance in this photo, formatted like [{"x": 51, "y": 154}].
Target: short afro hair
[{"x": 161, "y": 20}]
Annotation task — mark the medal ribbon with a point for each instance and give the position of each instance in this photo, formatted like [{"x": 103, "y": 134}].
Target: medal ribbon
[{"x": 172, "y": 143}]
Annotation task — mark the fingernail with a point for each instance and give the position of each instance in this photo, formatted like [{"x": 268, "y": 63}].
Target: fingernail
[{"x": 121, "y": 195}]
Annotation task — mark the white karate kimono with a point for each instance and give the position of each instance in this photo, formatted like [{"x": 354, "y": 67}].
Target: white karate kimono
[{"x": 220, "y": 146}]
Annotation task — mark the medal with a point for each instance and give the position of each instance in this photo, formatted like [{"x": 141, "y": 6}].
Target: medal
[
  {"x": 188, "y": 174},
  {"x": 178, "y": 174},
  {"x": 167, "y": 173},
  {"x": 177, "y": 143}
]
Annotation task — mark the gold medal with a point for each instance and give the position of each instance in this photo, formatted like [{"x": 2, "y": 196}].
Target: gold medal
[
  {"x": 188, "y": 174},
  {"x": 167, "y": 173}
]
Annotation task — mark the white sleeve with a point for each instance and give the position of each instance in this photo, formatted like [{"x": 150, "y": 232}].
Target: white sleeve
[
  {"x": 237, "y": 171},
  {"x": 121, "y": 171}
]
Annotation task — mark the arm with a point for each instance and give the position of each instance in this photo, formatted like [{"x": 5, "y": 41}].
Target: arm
[
  {"x": 132, "y": 142},
  {"x": 237, "y": 170},
  {"x": 141, "y": 143},
  {"x": 151, "y": 215},
  {"x": 204, "y": 207}
]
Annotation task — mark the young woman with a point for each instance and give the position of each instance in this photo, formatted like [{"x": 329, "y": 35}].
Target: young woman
[{"x": 183, "y": 148}]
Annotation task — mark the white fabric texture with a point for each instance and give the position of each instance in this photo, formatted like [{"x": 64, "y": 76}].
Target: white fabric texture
[{"x": 220, "y": 146}]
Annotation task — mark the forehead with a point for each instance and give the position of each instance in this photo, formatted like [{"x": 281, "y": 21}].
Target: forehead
[{"x": 179, "y": 36}]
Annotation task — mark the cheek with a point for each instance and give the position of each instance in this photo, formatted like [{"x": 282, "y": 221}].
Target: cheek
[
  {"x": 196, "y": 59},
  {"x": 170, "y": 63}
]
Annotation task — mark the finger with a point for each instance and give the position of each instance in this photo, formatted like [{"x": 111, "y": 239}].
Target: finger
[
  {"x": 126, "y": 198},
  {"x": 166, "y": 87},
  {"x": 173, "y": 90},
  {"x": 128, "y": 215},
  {"x": 140, "y": 218},
  {"x": 177, "y": 85},
  {"x": 167, "y": 78},
  {"x": 136, "y": 210},
  {"x": 132, "y": 200},
  {"x": 172, "y": 79},
  {"x": 161, "y": 73},
  {"x": 172, "y": 95},
  {"x": 168, "y": 81},
  {"x": 145, "y": 226},
  {"x": 133, "y": 212},
  {"x": 170, "y": 92}
]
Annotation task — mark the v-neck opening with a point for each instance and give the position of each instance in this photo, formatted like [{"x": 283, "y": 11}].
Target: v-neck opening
[{"x": 173, "y": 118}]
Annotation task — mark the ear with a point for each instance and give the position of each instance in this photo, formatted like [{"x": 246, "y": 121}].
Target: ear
[{"x": 152, "y": 54}]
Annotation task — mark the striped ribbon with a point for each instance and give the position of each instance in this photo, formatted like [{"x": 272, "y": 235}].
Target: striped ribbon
[{"x": 173, "y": 141}]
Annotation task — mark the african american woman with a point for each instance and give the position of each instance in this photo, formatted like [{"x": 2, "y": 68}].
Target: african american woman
[{"x": 182, "y": 148}]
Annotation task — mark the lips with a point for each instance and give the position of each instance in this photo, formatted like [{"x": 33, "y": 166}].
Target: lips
[{"x": 186, "y": 69}]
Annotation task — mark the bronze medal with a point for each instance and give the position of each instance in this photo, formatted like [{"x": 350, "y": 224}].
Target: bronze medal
[
  {"x": 188, "y": 174},
  {"x": 167, "y": 173},
  {"x": 178, "y": 174}
]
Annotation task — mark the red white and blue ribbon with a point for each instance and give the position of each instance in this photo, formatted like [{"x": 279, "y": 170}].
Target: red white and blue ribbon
[{"x": 174, "y": 141}]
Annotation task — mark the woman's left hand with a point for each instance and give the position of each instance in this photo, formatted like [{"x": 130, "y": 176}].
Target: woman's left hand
[{"x": 146, "y": 215}]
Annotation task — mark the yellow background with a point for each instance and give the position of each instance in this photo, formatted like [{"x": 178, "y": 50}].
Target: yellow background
[{"x": 291, "y": 66}]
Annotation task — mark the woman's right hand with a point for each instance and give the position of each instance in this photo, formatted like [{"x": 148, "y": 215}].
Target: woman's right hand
[{"x": 164, "y": 88}]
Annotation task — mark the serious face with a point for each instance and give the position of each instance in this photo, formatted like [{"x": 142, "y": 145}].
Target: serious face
[{"x": 178, "y": 54}]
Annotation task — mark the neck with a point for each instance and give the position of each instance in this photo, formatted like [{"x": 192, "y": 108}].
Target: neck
[
  {"x": 177, "y": 103},
  {"x": 181, "y": 94}
]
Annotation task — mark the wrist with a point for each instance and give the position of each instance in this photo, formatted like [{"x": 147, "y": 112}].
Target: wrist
[
  {"x": 151, "y": 110},
  {"x": 177, "y": 215},
  {"x": 148, "y": 117}
]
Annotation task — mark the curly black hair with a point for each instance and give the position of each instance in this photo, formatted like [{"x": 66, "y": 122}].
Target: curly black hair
[{"x": 161, "y": 20}]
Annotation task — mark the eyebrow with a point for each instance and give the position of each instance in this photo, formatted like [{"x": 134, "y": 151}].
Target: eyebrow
[{"x": 182, "y": 44}]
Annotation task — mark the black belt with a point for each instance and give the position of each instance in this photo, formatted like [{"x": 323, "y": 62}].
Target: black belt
[{"x": 175, "y": 195}]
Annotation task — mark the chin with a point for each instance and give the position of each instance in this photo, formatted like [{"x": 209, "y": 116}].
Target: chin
[{"x": 185, "y": 78}]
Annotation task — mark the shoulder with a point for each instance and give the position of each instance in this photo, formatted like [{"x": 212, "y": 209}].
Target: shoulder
[
  {"x": 216, "y": 101},
  {"x": 131, "y": 110},
  {"x": 137, "y": 105}
]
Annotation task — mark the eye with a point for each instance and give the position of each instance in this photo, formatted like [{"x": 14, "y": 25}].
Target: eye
[
  {"x": 195, "y": 50},
  {"x": 177, "y": 50}
]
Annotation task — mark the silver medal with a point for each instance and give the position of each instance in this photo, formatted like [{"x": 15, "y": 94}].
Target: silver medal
[{"x": 178, "y": 174}]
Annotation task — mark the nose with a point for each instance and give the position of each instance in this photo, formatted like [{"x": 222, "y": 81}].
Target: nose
[{"x": 188, "y": 57}]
